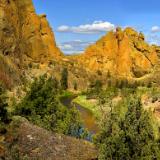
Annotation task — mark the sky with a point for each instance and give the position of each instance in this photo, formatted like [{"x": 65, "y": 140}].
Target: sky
[{"x": 79, "y": 23}]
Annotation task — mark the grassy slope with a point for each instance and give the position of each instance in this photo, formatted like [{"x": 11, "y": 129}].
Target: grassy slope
[
  {"x": 88, "y": 104},
  {"x": 65, "y": 94}
]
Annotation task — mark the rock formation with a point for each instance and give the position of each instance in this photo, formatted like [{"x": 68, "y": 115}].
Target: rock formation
[
  {"x": 24, "y": 37},
  {"x": 27, "y": 37},
  {"x": 123, "y": 53},
  {"x": 23, "y": 32}
]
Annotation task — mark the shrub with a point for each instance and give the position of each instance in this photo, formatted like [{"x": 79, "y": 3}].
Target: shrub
[
  {"x": 75, "y": 86},
  {"x": 64, "y": 79},
  {"x": 129, "y": 138},
  {"x": 42, "y": 107},
  {"x": 4, "y": 118}
]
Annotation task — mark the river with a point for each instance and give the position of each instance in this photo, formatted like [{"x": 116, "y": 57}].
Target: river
[{"x": 89, "y": 121}]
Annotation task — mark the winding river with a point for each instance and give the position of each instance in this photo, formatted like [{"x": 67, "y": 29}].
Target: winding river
[{"x": 89, "y": 121}]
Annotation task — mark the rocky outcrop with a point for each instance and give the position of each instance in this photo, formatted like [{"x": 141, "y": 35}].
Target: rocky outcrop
[
  {"x": 157, "y": 49},
  {"x": 23, "y": 32},
  {"x": 27, "y": 141},
  {"x": 123, "y": 53},
  {"x": 24, "y": 37}
]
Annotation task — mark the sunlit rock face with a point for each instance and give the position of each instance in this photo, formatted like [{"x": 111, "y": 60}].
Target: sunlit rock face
[
  {"x": 24, "y": 33},
  {"x": 122, "y": 53},
  {"x": 25, "y": 37}
]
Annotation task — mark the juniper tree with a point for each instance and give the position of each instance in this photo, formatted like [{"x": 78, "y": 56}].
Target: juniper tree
[
  {"x": 64, "y": 79},
  {"x": 3, "y": 106},
  {"x": 129, "y": 138}
]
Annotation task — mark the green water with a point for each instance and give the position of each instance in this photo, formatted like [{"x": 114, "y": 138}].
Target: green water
[{"x": 89, "y": 121}]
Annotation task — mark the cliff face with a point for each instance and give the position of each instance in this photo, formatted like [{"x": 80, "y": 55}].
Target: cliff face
[
  {"x": 27, "y": 37},
  {"x": 24, "y": 37},
  {"x": 124, "y": 53},
  {"x": 22, "y": 32}
]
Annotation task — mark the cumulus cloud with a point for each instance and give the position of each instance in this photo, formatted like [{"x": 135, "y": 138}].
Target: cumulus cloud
[
  {"x": 63, "y": 28},
  {"x": 76, "y": 46},
  {"x": 94, "y": 28},
  {"x": 153, "y": 39},
  {"x": 155, "y": 29},
  {"x": 66, "y": 47}
]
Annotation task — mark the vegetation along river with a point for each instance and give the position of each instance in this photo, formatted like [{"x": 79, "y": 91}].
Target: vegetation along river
[{"x": 89, "y": 120}]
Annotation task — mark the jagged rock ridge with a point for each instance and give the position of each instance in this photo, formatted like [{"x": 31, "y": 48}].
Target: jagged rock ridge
[
  {"x": 26, "y": 36},
  {"x": 122, "y": 53}
]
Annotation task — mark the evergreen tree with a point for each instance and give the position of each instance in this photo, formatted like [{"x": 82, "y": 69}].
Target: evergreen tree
[
  {"x": 98, "y": 86},
  {"x": 42, "y": 107},
  {"x": 94, "y": 89},
  {"x": 3, "y": 106},
  {"x": 75, "y": 85},
  {"x": 128, "y": 139},
  {"x": 139, "y": 133},
  {"x": 64, "y": 79}
]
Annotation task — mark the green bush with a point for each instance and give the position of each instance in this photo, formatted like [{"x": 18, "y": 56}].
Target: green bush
[
  {"x": 75, "y": 86},
  {"x": 64, "y": 79},
  {"x": 42, "y": 107},
  {"x": 3, "y": 106},
  {"x": 130, "y": 138}
]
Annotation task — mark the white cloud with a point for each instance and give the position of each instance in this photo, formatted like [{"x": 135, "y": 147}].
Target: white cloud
[
  {"x": 77, "y": 40},
  {"x": 95, "y": 27},
  {"x": 64, "y": 28},
  {"x": 65, "y": 46},
  {"x": 153, "y": 39},
  {"x": 154, "y": 43},
  {"x": 155, "y": 29},
  {"x": 76, "y": 46}
]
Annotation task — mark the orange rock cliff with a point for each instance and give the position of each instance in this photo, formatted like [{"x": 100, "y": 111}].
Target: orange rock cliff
[
  {"x": 123, "y": 52},
  {"x": 27, "y": 37},
  {"x": 23, "y": 32}
]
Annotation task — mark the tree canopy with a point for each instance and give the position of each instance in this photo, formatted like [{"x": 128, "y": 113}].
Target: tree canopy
[
  {"x": 42, "y": 106},
  {"x": 130, "y": 138}
]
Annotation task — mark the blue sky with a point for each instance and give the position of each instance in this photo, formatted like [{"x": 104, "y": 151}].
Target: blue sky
[{"x": 78, "y": 23}]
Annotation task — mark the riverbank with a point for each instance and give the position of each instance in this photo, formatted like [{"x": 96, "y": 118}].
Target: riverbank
[
  {"x": 88, "y": 118},
  {"x": 66, "y": 94},
  {"x": 90, "y": 104}
]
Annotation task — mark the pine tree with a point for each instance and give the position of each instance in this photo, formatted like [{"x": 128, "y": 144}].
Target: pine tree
[
  {"x": 139, "y": 133},
  {"x": 64, "y": 79},
  {"x": 41, "y": 106},
  {"x": 75, "y": 85},
  {"x": 129, "y": 139},
  {"x": 3, "y": 106}
]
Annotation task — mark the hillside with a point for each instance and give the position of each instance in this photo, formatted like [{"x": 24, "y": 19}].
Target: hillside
[
  {"x": 27, "y": 141},
  {"x": 124, "y": 53},
  {"x": 116, "y": 81}
]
